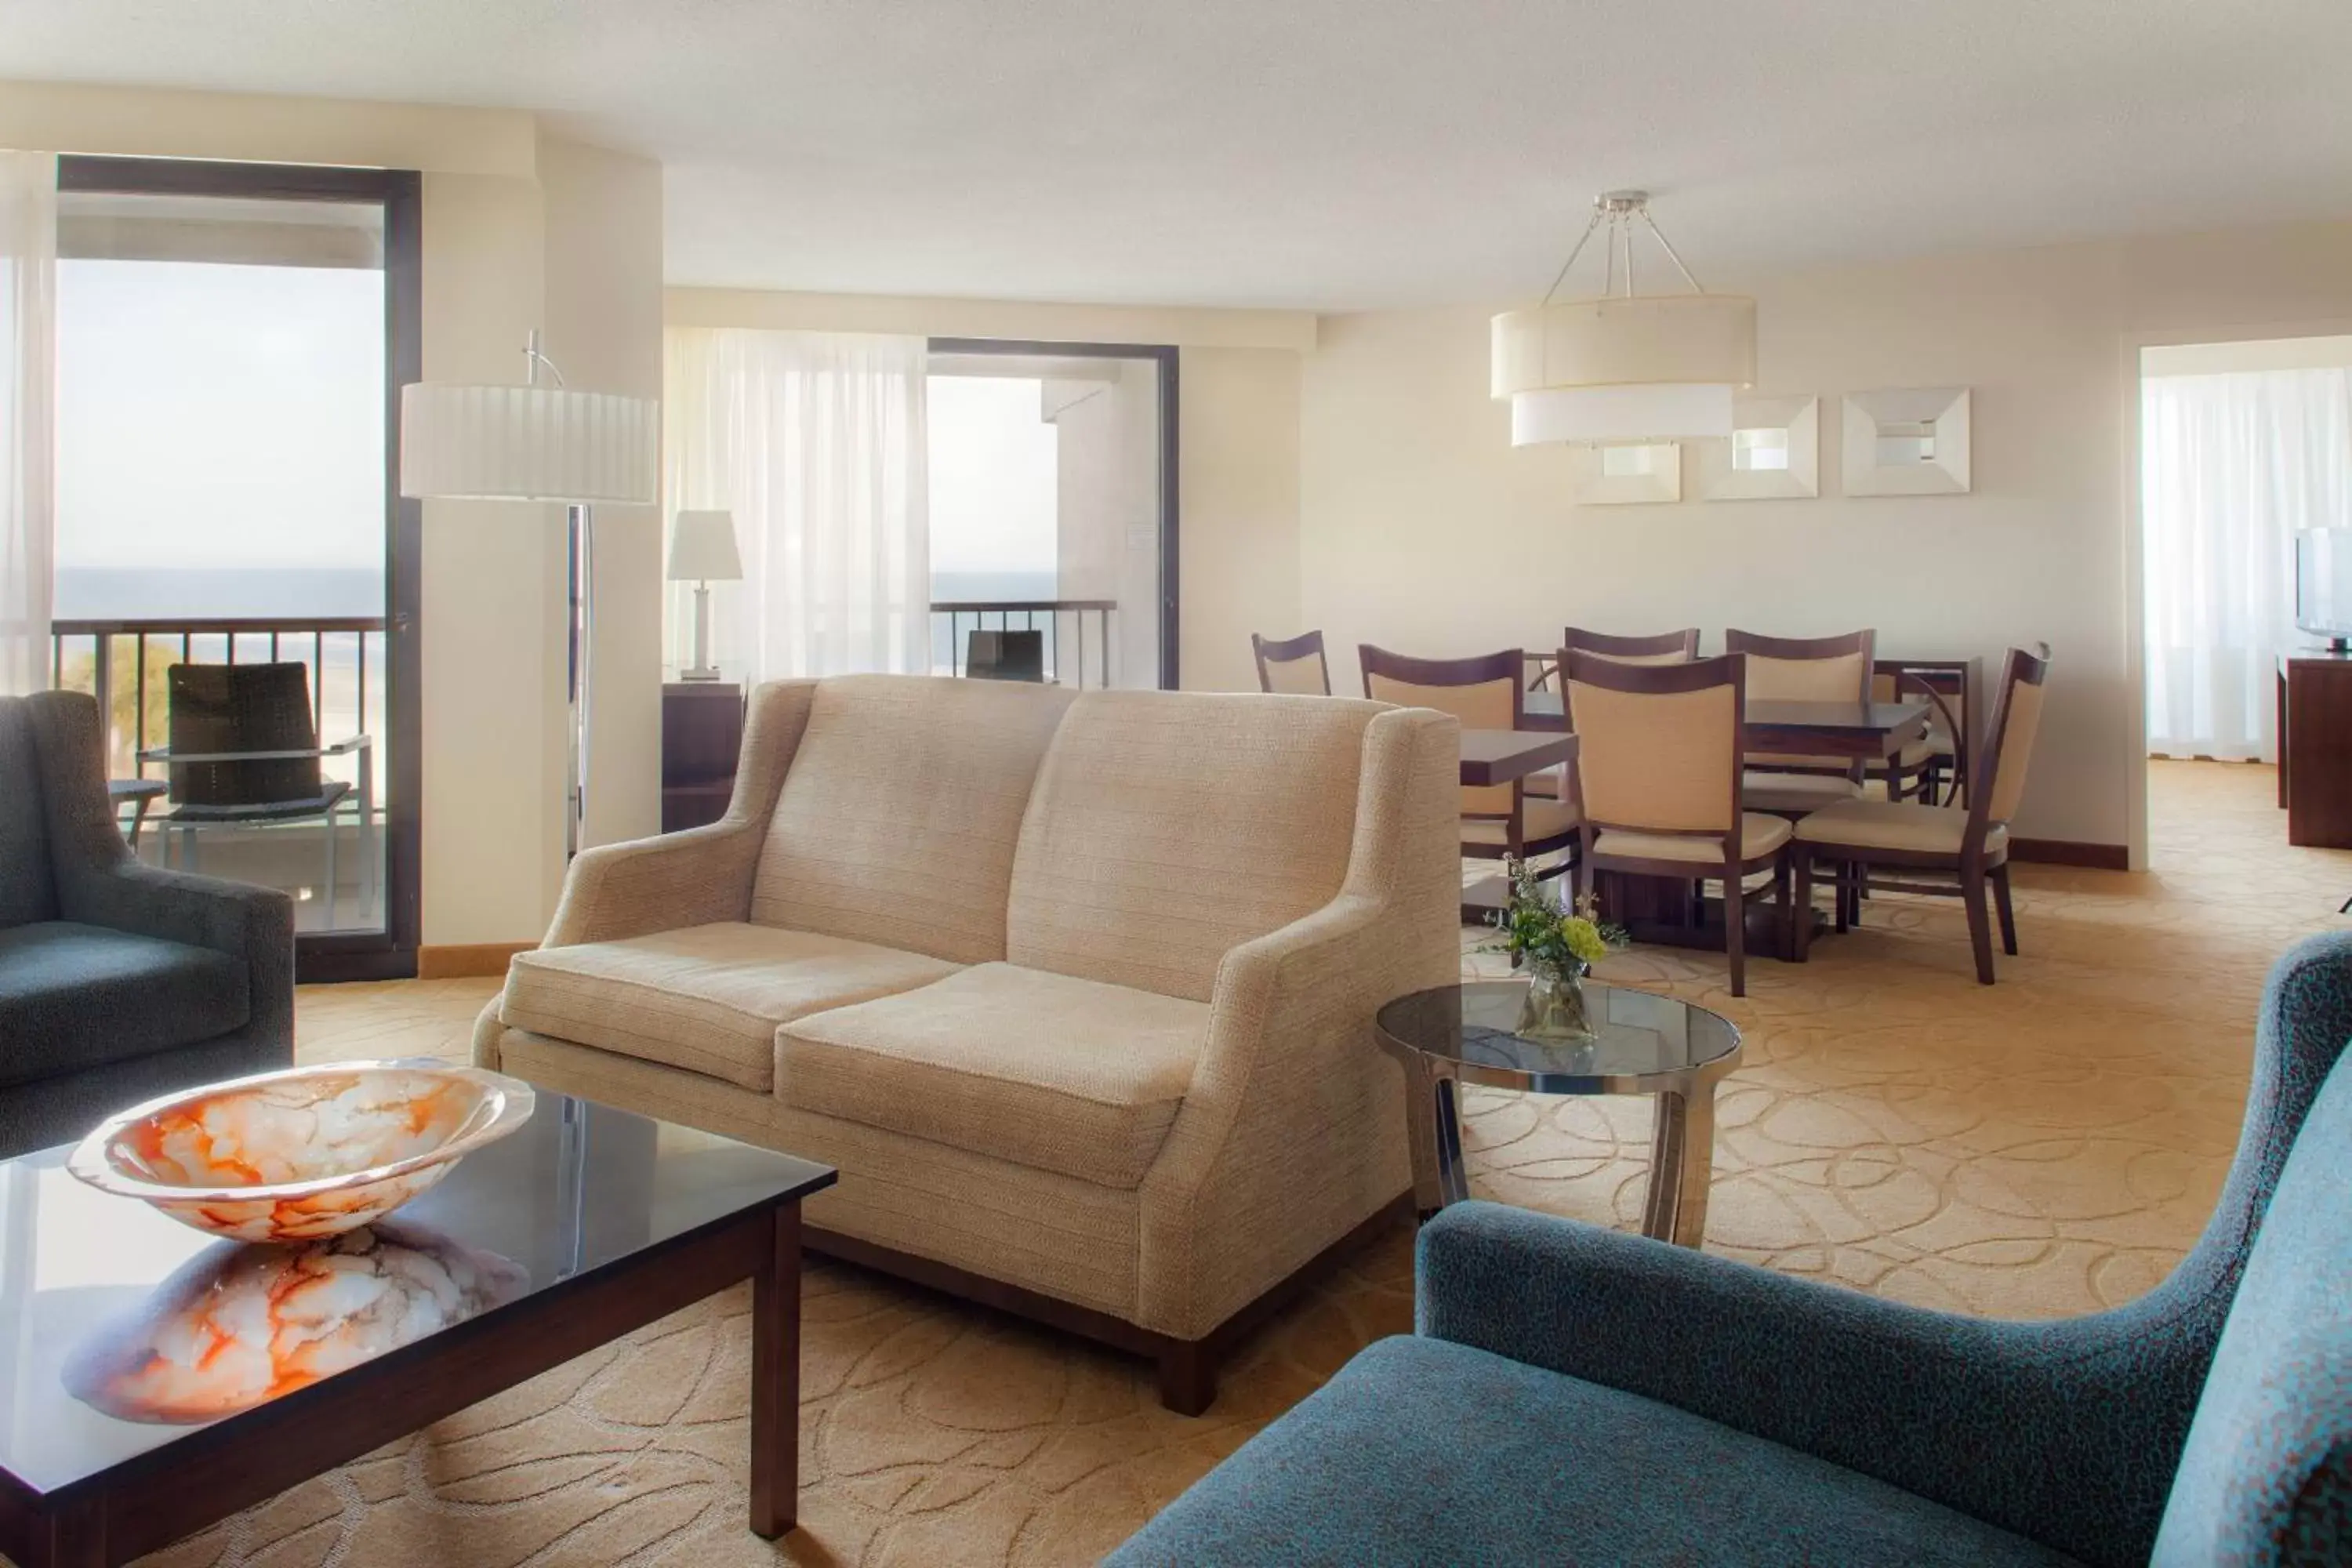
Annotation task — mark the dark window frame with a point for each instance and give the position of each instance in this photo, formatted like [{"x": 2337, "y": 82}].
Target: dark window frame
[
  {"x": 388, "y": 953},
  {"x": 1164, "y": 358}
]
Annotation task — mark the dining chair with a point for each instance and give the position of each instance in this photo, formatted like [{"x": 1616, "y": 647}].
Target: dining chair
[
  {"x": 242, "y": 749},
  {"x": 1292, "y": 664},
  {"x": 1006, "y": 655},
  {"x": 1935, "y": 767},
  {"x": 1498, "y": 821},
  {"x": 1802, "y": 670},
  {"x": 1658, "y": 771},
  {"x": 1666, "y": 647},
  {"x": 1970, "y": 845}
]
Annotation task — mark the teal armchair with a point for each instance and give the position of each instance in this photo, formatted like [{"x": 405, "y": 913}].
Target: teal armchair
[{"x": 1580, "y": 1396}]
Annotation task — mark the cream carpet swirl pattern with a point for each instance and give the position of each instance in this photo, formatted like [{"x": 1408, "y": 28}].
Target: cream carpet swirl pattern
[{"x": 2045, "y": 1146}]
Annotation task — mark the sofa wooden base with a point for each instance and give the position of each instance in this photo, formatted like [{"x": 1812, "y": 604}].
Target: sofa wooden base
[{"x": 1187, "y": 1368}]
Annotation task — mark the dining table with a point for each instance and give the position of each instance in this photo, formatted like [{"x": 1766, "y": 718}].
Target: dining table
[{"x": 1500, "y": 757}]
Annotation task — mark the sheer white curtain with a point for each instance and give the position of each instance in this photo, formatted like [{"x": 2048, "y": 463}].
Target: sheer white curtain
[
  {"x": 2232, "y": 465},
  {"x": 816, "y": 441},
  {"x": 28, "y": 256}
]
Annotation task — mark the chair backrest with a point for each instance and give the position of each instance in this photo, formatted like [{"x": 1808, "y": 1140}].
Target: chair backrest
[
  {"x": 217, "y": 709},
  {"x": 897, "y": 819},
  {"x": 2008, "y": 739},
  {"x": 1658, "y": 745},
  {"x": 1006, "y": 655},
  {"x": 1804, "y": 670},
  {"x": 28, "y": 889},
  {"x": 1666, "y": 648},
  {"x": 2266, "y": 1474},
  {"x": 1168, "y": 828},
  {"x": 1292, "y": 664},
  {"x": 1483, "y": 692}
]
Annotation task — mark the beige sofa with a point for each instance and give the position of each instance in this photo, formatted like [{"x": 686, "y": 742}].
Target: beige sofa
[{"x": 1075, "y": 989}]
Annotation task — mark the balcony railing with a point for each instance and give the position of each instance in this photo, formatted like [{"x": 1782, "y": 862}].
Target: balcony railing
[
  {"x": 121, "y": 663},
  {"x": 1081, "y": 642}
]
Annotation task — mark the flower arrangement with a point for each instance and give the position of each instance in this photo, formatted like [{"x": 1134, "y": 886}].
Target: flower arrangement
[{"x": 1557, "y": 947}]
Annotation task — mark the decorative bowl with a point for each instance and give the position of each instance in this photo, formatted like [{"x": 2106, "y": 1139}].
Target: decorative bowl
[{"x": 303, "y": 1152}]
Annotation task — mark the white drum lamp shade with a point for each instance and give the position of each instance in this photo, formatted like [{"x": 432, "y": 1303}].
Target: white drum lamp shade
[
  {"x": 527, "y": 443},
  {"x": 702, "y": 548},
  {"x": 1643, "y": 368}
]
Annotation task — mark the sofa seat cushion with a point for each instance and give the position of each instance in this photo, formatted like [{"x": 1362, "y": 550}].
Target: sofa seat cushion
[
  {"x": 706, "y": 998},
  {"x": 75, "y": 996},
  {"x": 1422, "y": 1451},
  {"x": 1043, "y": 1069}
]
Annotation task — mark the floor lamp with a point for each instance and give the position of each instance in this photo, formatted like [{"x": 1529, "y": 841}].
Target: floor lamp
[{"x": 535, "y": 443}]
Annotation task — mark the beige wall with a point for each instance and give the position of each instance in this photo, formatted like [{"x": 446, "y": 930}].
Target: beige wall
[
  {"x": 1238, "y": 463},
  {"x": 520, "y": 231},
  {"x": 1238, "y": 474},
  {"x": 1422, "y": 529}
]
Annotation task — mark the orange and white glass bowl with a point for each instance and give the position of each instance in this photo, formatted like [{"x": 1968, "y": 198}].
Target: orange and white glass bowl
[{"x": 303, "y": 1152}]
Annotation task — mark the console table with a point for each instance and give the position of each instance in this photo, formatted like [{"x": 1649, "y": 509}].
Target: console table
[
  {"x": 2314, "y": 747},
  {"x": 702, "y": 733}
]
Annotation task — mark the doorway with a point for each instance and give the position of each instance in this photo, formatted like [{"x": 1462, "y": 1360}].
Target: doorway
[
  {"x": 231, "y": 340},
  {"x": 2244, "y": 447},
  {"x": 1054, "y": 508}
]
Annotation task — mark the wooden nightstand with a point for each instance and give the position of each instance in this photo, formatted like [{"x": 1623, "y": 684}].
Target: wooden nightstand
[{"x": 702, "y": 731}]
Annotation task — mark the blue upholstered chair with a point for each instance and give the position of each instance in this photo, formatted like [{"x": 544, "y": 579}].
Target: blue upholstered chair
[
  {"x": 118, "y": 982},
  {"x": 1577, "y": 1396}
]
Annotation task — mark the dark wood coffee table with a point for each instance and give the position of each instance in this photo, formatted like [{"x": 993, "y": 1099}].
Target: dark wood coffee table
[{"x": 586, "y": 1223}]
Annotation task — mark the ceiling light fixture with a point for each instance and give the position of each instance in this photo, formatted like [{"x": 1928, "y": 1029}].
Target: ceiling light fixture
[{"x": 1625, "y": 366}]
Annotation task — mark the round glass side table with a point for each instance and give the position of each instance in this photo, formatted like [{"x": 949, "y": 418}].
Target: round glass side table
[{"x": 1644, "y": 1044}]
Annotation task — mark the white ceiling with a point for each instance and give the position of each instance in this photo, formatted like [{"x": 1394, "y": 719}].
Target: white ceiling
[{"x": 1322, "y": 153}]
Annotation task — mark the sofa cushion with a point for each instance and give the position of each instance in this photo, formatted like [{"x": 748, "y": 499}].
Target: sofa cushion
[
  {"x": 898, "y": 818},
  {"x": 28, "y": 888},
  {"x": 75, "y": 996},
  {"x": 1168, "y": 828},
  {"x": 708, "y": 998},
  {"x": 1041, "y": 1069},
  {"x": 1422, "y": 1451}
]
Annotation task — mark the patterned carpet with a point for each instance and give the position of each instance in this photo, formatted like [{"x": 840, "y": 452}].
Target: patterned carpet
[{"x": 2045, "y": 1146}]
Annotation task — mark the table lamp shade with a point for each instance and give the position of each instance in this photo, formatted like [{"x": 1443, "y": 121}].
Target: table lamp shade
[
  {"x": 702, "y": 548},
  {"x": 527, "y": 443}
]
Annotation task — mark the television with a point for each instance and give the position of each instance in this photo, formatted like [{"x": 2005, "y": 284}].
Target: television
[{"x": 2323, "y": 585}]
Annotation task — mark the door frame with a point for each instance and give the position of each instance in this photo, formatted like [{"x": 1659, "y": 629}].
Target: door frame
[
  {"x": 2135, "y": 535},
  {"x": 388, "y": 953},
  {"x": 1164, "y": 358}
]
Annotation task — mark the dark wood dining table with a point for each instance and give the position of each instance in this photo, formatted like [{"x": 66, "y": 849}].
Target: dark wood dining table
[
  {"x": 1498, "y": 757},
  {"x": 1869, "y": 730}
]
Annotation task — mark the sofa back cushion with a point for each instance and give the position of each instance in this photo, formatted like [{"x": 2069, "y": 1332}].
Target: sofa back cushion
[
  {"x": 2266, "y": 1476},
  {"x": 898, "y": 818},
  {"x": 1168, "y": 827},
  {"x": 27, "y": 889}
]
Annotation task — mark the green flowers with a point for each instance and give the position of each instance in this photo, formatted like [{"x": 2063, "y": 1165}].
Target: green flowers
[{"x": 1538, "y": 934}]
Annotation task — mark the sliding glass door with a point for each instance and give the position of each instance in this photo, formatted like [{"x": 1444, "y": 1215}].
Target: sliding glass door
[
  {"x": 1052, "y": 512},
  {"x": 235, "y": 572}
]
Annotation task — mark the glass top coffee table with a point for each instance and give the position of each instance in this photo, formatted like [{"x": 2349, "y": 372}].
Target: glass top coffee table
[
  {"x": 158, "y": 1379},
  {"x": 1642, "y": 1043}
]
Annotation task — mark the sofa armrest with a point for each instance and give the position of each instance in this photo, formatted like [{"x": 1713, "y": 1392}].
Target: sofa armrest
[
  {"x": 2048, "y": 1429},
  {"x": 1293, "y": 1131},
  {"x": 703, "y": 875}
]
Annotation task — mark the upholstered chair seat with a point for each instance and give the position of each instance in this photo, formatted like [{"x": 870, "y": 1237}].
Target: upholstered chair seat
[{"x": 1759, "y": 835}]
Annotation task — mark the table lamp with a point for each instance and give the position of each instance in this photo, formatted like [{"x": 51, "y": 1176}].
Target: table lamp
[{"x": 702, "y": 551}]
